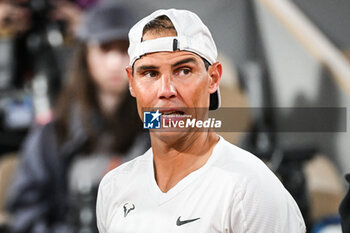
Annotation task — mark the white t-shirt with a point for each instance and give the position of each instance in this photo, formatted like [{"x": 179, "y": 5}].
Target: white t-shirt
[{"x": 233, "y": 192}]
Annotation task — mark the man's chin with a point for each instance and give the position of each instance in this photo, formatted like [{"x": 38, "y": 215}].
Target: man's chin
[{"x": 170, "y": 135}]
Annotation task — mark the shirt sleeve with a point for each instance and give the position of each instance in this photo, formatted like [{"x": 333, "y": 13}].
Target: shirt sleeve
[
  {"x": 100, "y": 210},
  {"x": 265, "y": 206}
]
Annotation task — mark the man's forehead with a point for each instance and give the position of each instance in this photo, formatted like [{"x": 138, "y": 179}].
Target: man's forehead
[{"x": 166, "y": 58}]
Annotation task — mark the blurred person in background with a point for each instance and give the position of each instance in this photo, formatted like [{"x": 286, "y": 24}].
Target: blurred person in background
[
  {"x": 95, "y": 128},
  {"x": 35, "y": 38},
  {"x": 14, "y": 19},
  {"x": 15, "y": 14},
  {"x": 71, "y": 12}
]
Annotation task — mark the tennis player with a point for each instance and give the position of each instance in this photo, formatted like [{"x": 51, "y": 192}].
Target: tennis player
[{"x": 189, "y": 181}]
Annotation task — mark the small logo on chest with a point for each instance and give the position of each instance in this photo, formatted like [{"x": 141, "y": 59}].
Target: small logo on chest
[
  {"x": 127, "y": 208},
  {"x": 182, "y": 222}
]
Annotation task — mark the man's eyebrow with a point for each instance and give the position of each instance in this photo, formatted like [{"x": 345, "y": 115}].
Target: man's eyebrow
[
  {"x": 146, "y": 67},
  {"x": 184, "y": 61}
]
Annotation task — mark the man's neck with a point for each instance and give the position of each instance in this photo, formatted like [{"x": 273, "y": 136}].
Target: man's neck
[{"x": 174, "y": 162}]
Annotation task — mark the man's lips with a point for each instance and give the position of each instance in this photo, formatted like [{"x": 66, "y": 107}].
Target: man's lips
[
  {"x": 172, "y": 111},
  {"x": 173, "y": 114}
]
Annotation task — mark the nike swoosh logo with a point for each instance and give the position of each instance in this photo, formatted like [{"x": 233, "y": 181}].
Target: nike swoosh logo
[{"x": 179, "y": 222}]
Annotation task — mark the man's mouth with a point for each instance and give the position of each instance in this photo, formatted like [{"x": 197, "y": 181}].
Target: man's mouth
[{"x": 172, "y": 113}]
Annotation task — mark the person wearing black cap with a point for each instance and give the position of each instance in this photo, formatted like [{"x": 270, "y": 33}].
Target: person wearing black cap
[
  {"x": 94, "y": 129},
  {"x": 191, "y": 180}
]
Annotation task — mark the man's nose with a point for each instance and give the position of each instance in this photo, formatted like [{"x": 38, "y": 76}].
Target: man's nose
[{"x": 167, "y": 88}]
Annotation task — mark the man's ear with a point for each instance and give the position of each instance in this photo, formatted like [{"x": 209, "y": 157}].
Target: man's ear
[
  {"x": 131, "y": 80},
  {"x": 215, "y": 73}
]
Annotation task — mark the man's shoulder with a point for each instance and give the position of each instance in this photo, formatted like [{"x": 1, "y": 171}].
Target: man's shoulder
[
  {"x": 242, "y": 166},
  {"x": 232, "y": 157},
  {"x": 256, "y": 185},
  {"x": 126, "y": 170}
]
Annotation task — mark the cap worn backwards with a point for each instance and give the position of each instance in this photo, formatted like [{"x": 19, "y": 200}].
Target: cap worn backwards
[{"x": 192, "y": 36}]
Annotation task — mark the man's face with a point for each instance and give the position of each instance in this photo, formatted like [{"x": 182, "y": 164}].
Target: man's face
[{"x": 173, "y": 80}]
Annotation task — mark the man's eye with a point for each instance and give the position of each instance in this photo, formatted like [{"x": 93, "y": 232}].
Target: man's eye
[
  {"x": 150, "y": 74},
  {"x": 183, "y": 72}
]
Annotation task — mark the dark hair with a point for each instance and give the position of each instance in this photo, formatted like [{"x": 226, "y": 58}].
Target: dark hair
[
  {"x": 80, "y": 94},
  {"x": 206, "y": 63},
  {"x": 158, "y": 25}
]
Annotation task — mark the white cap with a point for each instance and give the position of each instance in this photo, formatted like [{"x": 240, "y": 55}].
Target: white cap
[{"x": 192, "y": 36}]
